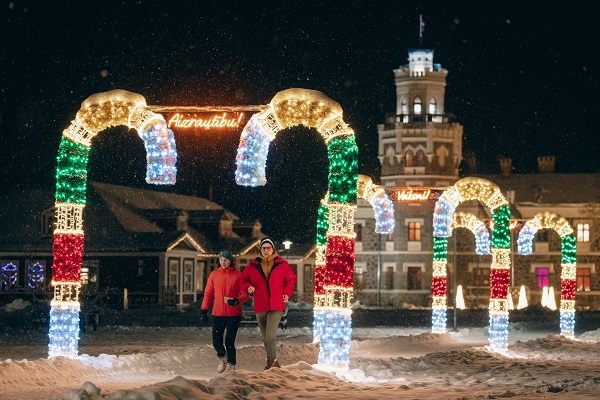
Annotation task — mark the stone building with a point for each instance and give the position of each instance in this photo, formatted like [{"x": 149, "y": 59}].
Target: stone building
[{"x": 420, "y": 150}]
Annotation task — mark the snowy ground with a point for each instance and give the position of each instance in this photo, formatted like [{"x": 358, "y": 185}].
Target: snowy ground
[{"x": 386, "y": 363}]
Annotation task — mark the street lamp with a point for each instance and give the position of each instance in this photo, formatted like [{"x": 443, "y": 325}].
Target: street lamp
[{"x": 287, "y": 244}]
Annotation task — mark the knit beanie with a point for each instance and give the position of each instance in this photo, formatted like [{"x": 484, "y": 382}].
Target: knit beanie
[
  {"x": 226, "y": 254},
  {"x": 267, "y": 240}
]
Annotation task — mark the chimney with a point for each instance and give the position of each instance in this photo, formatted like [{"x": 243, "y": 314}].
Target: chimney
[
  {"x": 505, "y": 166},
  {"x": 546, "y": 164}
]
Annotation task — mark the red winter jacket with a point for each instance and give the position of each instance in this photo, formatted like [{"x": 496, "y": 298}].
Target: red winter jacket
[
  {"x": 268, "y": 296},
  {"x": 224, "y": 282}
]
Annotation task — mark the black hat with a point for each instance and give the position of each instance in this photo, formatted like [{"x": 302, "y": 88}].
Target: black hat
[{"x": 267, "y": 240}]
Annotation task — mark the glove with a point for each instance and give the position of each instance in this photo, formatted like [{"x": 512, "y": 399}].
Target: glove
[
  {"x": 204, "y": 316},
  {"x": 233, "y": 302}
]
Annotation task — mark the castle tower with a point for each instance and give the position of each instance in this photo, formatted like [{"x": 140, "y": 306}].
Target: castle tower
[{"x": 421, "y": 144}]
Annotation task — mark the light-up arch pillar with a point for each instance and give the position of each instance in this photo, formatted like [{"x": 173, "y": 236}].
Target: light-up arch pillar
[
  {"x": 488, "y": 193},
  {"x": 97, "y": 112},
  {"x": 383, "y": 209},
  {"x": 568, "y": 264},
  {"x": 439, "y": 284},
  {"x": 315, "y": 110}
]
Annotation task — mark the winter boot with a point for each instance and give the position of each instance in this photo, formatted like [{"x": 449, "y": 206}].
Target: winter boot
[{"x": 222, "y": 364}]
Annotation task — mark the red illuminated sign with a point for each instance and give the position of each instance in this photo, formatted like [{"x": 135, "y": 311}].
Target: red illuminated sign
[
  {"x": 414, "y": 194},
  {"x": 208, "y": 122}
]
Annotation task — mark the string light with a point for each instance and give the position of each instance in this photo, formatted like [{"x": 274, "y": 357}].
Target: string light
[
  {"x": 334, "y": 268},
  {"x": 381, "y": 203},
  {"x": 560, "y": 225},
  {"x": 98, "y": 112},
  {"x": 488, "y": 193}
]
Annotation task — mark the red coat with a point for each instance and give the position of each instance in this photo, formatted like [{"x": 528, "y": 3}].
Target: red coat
[
  {"x": 224, "y": 282},
  {"x": 268, "y": 295}
]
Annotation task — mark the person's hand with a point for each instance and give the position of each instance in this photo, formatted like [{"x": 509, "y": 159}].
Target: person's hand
[
  {"x": 233, "y": 302},
  {"x": 250, "y": 289},
  {"x": 285, "y": 298},
  {"x": 204, "y": 316}
]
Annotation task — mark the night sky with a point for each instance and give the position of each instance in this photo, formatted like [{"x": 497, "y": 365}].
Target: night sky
[{"x": 523, "y": 80}]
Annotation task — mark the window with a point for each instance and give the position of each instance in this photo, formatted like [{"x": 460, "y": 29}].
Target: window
[
  {"x": 542, "y": 277},
  {"x": 417, "y": 106},
  {"x": 404, "y": 106},
  {"x": 48, "y": 222},
  {"x": 389, "y": 278},
  {"x": 36, "y": 274},
  {"x": 9, "y": 271},
  {"x": 188, "y": 275},
  {"x": 408, "y": 157},
  {"x": 583, "y": 279},
  {"x": 226, "y": 228},
  {"x": 432, "y": 106},
  {"x": 358, "y": 276},
  {"x": 414, "y": 231},
  {"x": 541, "y": 235},
  {"x": 583, "y": 233},
  {"x": 173, "y": 273},
  {"x": 389, "y": 237},
  {"x": 414, "y": 278},
  {"x": 358, "y": 231},
  {"x": 420, "y": 159}
]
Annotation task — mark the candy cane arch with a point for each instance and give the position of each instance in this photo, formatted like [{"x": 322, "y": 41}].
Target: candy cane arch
[
  {"x": 98, "y": 112},
  {"x": 439, "y": 284},
  {"x": 313, "y": 109},
  {"x": 383, "y": 209},
  {"x": 488, "y": 193},
  {"x": 568, "y": 264}
]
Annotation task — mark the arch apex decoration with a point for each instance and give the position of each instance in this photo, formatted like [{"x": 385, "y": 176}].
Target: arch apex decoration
[{"x": 288, "y": 108}]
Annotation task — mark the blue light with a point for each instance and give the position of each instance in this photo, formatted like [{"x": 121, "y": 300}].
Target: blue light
[
  {"x": 336, "y": 337},
  {"x": 64, "y": 329},
  {"x": 499, "y": 332}
]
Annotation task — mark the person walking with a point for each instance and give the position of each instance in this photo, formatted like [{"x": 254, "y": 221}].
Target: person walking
[
  {"x": 271, "y": 280},
  {"x": 224, "y": 286}
]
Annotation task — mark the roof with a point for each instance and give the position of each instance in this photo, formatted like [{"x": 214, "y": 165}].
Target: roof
[
  {"x": 123, "y": 219},
  {"x": 549, "y": 188}
]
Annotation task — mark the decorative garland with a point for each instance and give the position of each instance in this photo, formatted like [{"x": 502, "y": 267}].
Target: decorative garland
[
  {"x": 489, "y": 194},
  {"x": 98, "y": 112},
  {"x": 568, "y": 276},
  {"x": 335, "y": 245}
]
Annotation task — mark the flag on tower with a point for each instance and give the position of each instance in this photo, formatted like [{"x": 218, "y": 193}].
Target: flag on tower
[{"x": 421, "y": 26}]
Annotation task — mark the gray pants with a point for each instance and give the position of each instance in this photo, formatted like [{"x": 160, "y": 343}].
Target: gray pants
[{"x": 268, "y": 322}]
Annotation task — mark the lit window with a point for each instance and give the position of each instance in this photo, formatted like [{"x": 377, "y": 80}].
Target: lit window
[
  {"x": 583, "y": 233},
  {"x": 583, "y": 279},
  {"x": 404, "y": 106},
  {"x": 389, "y": 237},
  {"x": 358, "y": 276},
  {"x": 36, "y": 275},
  {"x": 542, "y": 277},
  {"x": 417, "y": 106},
  {"x": 413, "y": 278},
  {"x": 432, "y": 106},
  {"x": 414, "y": 231}
]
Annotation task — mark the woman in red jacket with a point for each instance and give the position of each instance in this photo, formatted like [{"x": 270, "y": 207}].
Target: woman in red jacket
[
  {"x": 224, "y": 285},
  {"x": 271, "y": 280}
]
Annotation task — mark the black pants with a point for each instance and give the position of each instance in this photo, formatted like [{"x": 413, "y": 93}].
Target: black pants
[{"x": 219, "y": 325}]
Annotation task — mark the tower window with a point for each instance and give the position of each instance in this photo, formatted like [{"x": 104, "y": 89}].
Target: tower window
[
  {"x": 417, "y": 105},
  {"x": 408, "y": 156},
  {"x": 403, "y": 106},
  {"x": 432, "y": 106}
]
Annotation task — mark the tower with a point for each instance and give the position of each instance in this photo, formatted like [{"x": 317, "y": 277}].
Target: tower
[{"x": 421, "y": 145}]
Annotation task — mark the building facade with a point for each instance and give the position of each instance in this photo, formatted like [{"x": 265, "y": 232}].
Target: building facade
[{"x": 420, "y": 150}]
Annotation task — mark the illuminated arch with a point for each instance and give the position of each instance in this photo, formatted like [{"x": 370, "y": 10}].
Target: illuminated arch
[
  {"x": 477, "y": 227},
  {"x": 568, "y": 264},
  {"x": 383, "y": 209},
  {"x": 488, "y": 193},
  {"x": 98, "y": 112},
  {"x": 315, "y": 110}
]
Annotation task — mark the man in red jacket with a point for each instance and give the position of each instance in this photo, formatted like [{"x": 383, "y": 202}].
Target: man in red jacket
[
  {"x": 271, "y": 280},
  {"x": 224, "y": 285}
]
